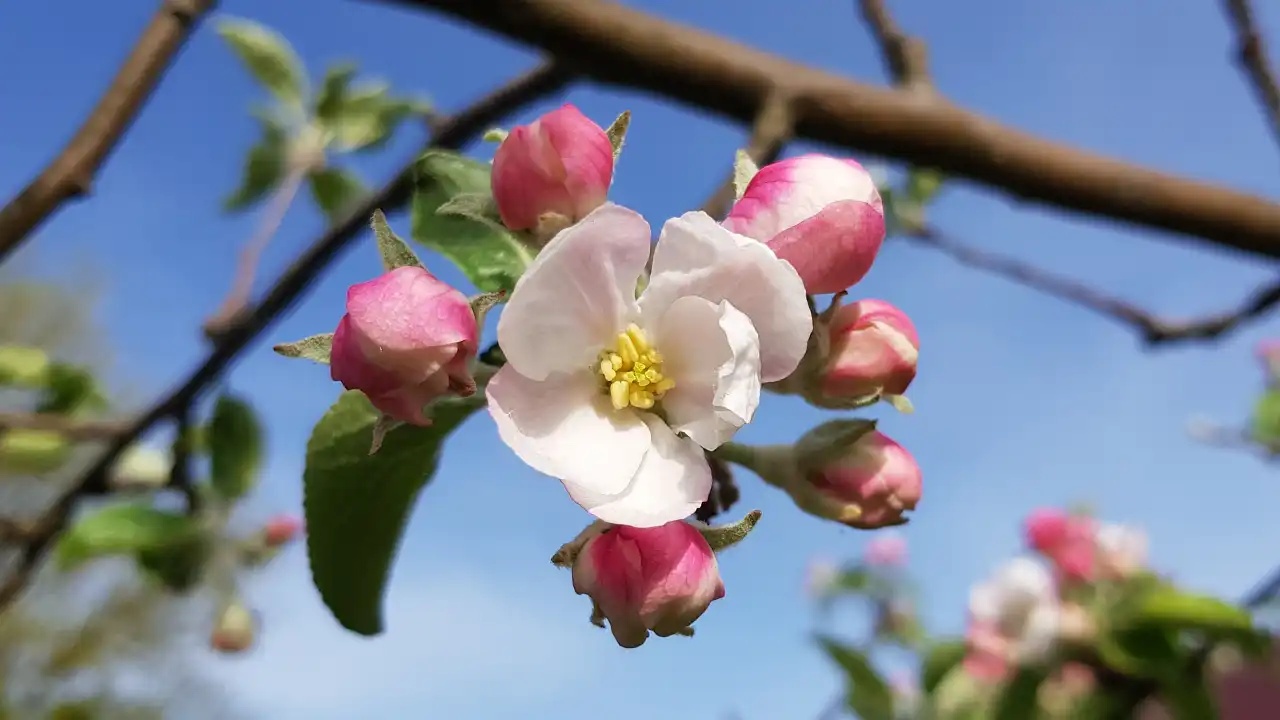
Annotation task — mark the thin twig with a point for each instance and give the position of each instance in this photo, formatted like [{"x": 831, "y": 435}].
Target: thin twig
[
  {"x": 770, "y": 131},
  {"x": 1152, "y": 329},
  {"x": 72, "y": 428},
  {"x": 241, "y": 293},
  {"x": 1252, "y": 56},
  {"x": 905, "y": 56},
  {"x": 71, "y": 174},
  {"x": 461, "y": 129},
  {"x": 620, "y": 45}
]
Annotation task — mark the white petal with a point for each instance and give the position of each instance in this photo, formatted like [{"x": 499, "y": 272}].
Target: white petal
[
  {"x": 577, "y": 295},
  {"x": 713, "y": 353},
  {"x": 696, "y": 256},
  {"x": 566, "y": 428},
  {"x": 1026, "y": 580},
  {"x": 984, "y": 602},
  {"x": 1040, "y": 635},
  {"x": 672, "y": 482}
]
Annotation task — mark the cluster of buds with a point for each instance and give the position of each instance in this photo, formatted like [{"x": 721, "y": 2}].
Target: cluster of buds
[{"x": 1082, "y": 550}]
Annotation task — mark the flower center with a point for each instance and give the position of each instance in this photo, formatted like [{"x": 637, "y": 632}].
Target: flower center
[{"x": 632, "y": 371}]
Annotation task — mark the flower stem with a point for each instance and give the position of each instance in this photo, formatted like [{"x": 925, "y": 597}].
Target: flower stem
[{"x": 775, "y": 464}]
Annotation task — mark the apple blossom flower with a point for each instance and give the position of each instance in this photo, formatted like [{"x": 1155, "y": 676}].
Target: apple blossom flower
[
  {"x": 821, "y": 214},
  {"x": 641, "y": 579},
  {"x": 234, "y": 630},
  {"x": 871, "y": 485},
  {"x": 406, "y": 339},
  {"x": 1121, "y": 550},
  {"x": 281, "y": 529},
  {"x": 873, "y": 350},
  {"x": 886, "y": 550},
  {"x": 589, "y": 365},
  {"x": 561, "y": 164},
  {"x": 1066, "y": 540},
  {"x": 1019, "y": 606}
]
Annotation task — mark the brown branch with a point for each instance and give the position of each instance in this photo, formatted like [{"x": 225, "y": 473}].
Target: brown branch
[
  {"x": 71, "y": 174},
  {"x": 905, "y": 57},
  {"x": 1153, "y": 330},
  {"x": 72, "y": 428},
  {"x": 770, "y": 131},
  {"x": 461, "y": 129},
  {"x": 1252, "y": 56},
  {"x": 619, "y": 45}
]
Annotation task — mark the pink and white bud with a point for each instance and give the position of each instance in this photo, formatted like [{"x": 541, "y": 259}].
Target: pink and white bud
[
  {"x": 407, "y": 338},
  {"x": 886, "y": 550},
  {"x": 874, "y": 349},
  {"x": 1064, "y": 539},
  {"x": 1268, "y": 353},
  {"x": 871, "y": 485},
  {"x": 640, "y": 579},
  {"x": 987, "y": 652},
  {"x": 1018, "y": 604},
  {"x": 280, "y": 530},
  {"x": 235, "y": 629},
  {"x": 1121, "y": 550},
  {"x": 822, "y": 214},
  {"x": 560, "y": 164}
]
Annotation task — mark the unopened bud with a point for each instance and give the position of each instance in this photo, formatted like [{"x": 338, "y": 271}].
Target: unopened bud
[
  {"x": 853, "y": 474},
  {"x": 280, "y": 530},
  {"x": 141, "y": 468},
  {"x": 235, "y": 629}
]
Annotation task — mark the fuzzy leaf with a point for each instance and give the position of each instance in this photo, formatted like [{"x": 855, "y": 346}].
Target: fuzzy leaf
[
  {"x": 334, "y": 90},
  {"x": 316, "y": 348},
  {"x": 868, "y": 694},
  {"x": 269, "y": 58},
  {"x": 357, "y": 504},
  {"x": 122, "y": 529},
  {"x": 264, "y": 168},
  {"x": 722, "y": 536},
  {"x": 395, "y": 252},
  {"x": 70, "y": 390},
  {"x": 940, "y": 660},
  {"x": 744, "y": 168},
  {"x": 336, "y": 192},
  {"x": 23, "y": 367},
  {"x": 476, "y": 206},
  {"x": 1018, "y": 697},
  {"x": 492, "y": 259},
  {"x": 617, "y": 133},
  {"x": 235, "y": 447}
]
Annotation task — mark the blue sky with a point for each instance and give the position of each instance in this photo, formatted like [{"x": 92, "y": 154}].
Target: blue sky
[{"x": 1021, "y": 399}]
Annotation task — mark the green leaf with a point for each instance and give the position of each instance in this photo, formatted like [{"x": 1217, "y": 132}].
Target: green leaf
[
  {"x": 264, "y": 168},
  {"x": 617, "y": 133},
  {"x": 368, "y": 116},
  {"x": 1168, "y": 608},
  {"x": 121, "y": 529},
  {"x": 70, "y": 390},
  {"x": 829, "y": 441},
  {"x": 492, "y": 259},
  {"x": 357, "y": 504},
  {"x": 484, "y": 302},
  {"x": 395, "y": 252},
  {"x": 940, "y": 660},
  {"x": 1018, "y": 698},
  {"x": 23, "y": 367},
  {"x": 178, "y": 566},
  {"x": 316, "y": 348},
  {"x": 334, "y": 90},
  {"x": 744, "y": 168},
  {"x": 32, "y": 452},
  {"x": 1265, "y": 424},
  {"x": 723, "y": 536},
  {"x": 235, "y": 447},
  {"x": 336, "y": 191},
  {"x": 268, "y": 57},
  {"x": 476, "y": 206},
  {"x": 1189, "y": 699},
  {"x": 923, "y": 185},
  {"x": 868, "y": 694},
  {"x": 1144, "y": 651}
]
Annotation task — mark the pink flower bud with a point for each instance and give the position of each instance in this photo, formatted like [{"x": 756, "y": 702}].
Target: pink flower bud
[
  {"x": 561, "y": 163},
  {"x": 1064, "y": 539},
  {"x": 871, "y": 485},
  {"x": 407, "y": 338},
  {"x": 234, "y": 631},
  {"x": 988, "y": 652},
  {"x": 874, "y": 348},
  {"x": 821, "y": 214},
  {"x": 888, "y": 550},
  {"x": 641, "y": 579},
  {"x": 281, "y": 529},
  {"x": 1268, "y": 353}
]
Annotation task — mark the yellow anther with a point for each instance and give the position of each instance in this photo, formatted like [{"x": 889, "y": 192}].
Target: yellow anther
[
  {"x": 652, "y": 375},
  {"x": 663, "y": 386},
  {"x": 616, "y": 361},
  {"x": 641, "y": 399},
  {"x": 618, "y": 393},
  {"x": 627, "y": 349},
  {"x": 637, "y": 338},
  {"x": 606, "y": 369},
  {"x": 655, "y": 357},
  {"x": 639, "y": 367},
  {"x": 641, "y": 380}
]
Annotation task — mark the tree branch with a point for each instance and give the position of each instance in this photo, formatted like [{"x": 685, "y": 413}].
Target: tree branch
[
  {"x": 906, "y": 57},
  {"x": 619, "y": 45},
  {"x": 1252, "y": 56},
  {"x": 1152, "y": 329},
  {"x": 453, "y": 134},
  {"x": 72, "y": 428},
  {"x": 71, "y": 174},
  {"x": 770, "y": 131}
]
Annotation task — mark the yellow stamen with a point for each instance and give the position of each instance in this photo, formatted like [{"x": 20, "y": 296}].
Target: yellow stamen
[
  {"x": 618, "y": 392},
  {"x": 638, "y": 338},
  {"x": 606, "y": 369},
  {"x": 632, "y": 371},
  {"x": 627, "y": 349}
]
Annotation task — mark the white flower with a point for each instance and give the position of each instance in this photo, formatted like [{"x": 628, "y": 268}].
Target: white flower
[
  {"x": 1020, "y": 602},
  {"x": 598, "y": 383},
  {"x": 1122, "y": 550}
]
